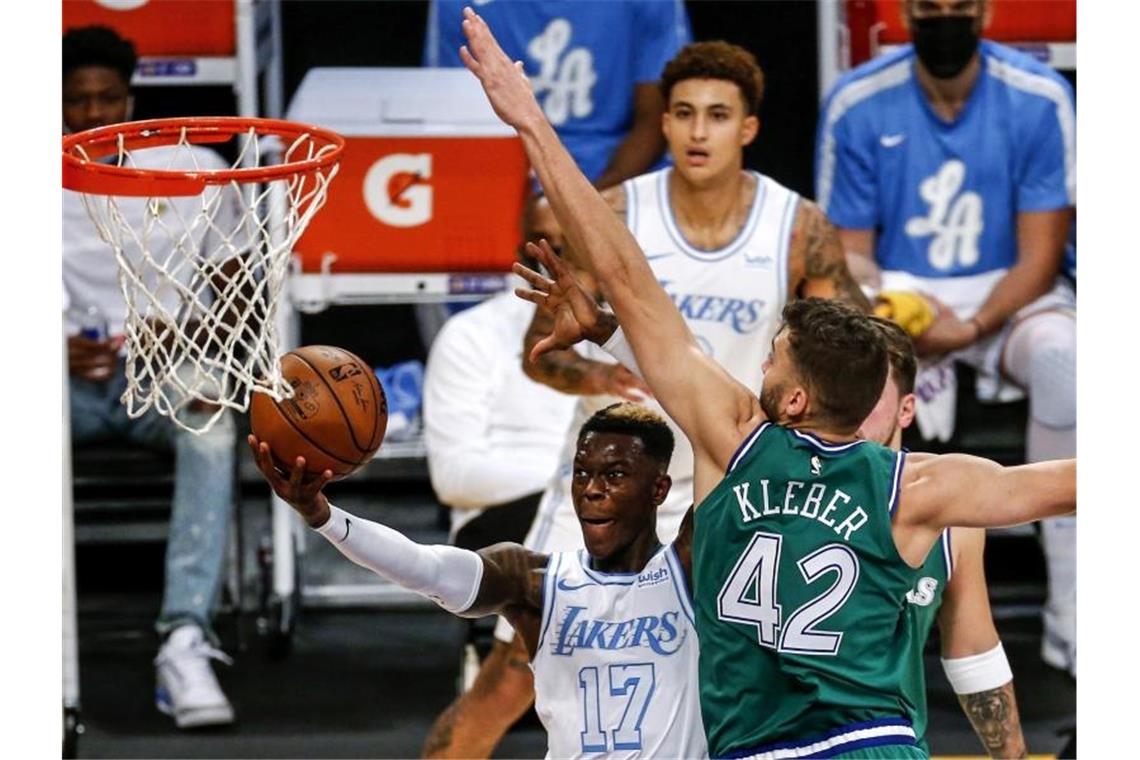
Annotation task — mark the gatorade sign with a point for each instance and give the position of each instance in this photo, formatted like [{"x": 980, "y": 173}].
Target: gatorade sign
[
  {"x": 396, "y": 189},
  {"x": 421, "y": 204}
]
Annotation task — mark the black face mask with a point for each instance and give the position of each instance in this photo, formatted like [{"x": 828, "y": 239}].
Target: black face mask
[{"x": 944, "y": 44}]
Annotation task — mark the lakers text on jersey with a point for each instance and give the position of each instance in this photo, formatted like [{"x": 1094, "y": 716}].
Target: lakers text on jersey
[{"x": 615, "y": 668}]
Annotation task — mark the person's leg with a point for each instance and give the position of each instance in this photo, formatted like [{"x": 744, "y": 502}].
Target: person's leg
[
  {"x": 94, "y": 407},
  {"x": 476, "y": 721},
  {"x": 1040, "y": 355},
  {"x": 199, "y": 525},
  {"x": 186, "y": 687}
]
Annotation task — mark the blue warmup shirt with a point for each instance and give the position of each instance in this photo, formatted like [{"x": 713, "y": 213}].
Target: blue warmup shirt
[
  {"x": 583, "y": 59},
  {"x": 943, "y": 197}
]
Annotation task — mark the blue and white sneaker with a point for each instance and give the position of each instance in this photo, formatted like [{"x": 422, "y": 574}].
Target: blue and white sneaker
[{"x": 186, "y": 688}]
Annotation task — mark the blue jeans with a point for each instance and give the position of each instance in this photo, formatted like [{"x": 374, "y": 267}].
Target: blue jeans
[{"x": 203, "y": 493}]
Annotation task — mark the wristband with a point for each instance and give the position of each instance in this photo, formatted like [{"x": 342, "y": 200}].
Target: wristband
[
  {"x": 618, "y": 347},
  {"x": 979, "y": 672}
]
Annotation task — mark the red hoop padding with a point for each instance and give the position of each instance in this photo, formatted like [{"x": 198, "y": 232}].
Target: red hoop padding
[{"x": 83, "y": 173}]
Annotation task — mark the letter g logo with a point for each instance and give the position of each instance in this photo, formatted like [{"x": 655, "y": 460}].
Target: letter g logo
[{"x": 395, "y": 192}]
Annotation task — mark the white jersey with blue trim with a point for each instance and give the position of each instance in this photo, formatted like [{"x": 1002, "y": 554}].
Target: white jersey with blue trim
[
  {"x": 943, "y": 196},
  {"x": 615, "y": 670},
  {"x": 730, "y": 297}
]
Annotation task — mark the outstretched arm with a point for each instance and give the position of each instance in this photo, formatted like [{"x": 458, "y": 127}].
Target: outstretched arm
[
  {"x": 972, "y": 655},
  {"x": 958, "y": 489},
  {"x": 714, "y": 410},
  {"x": 504, "y": 578}
]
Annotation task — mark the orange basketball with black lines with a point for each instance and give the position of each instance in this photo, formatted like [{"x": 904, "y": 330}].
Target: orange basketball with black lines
[{"x": 335, "y": 419}]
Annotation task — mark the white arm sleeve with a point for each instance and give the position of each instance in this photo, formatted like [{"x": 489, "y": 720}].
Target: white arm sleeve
[
  {"x": 618, "y": 347},
  {"x": 448, "y": 576}
]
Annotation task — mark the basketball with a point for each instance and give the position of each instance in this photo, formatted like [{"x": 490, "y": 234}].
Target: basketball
[{"x": 335, "y": 419}]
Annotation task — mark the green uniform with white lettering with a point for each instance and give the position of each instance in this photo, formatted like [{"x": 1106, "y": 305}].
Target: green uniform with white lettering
[
  {"x": 923, "y": 603},
  {"x": 800, "y": 597}
]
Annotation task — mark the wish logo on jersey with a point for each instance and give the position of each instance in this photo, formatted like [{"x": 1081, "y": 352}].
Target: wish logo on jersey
[
  {"x": 566, "y": 77},
  {"x": 953, "y": 221},
  {"x": 576, "y": 631},
  {"x": 742, "y": 316}
]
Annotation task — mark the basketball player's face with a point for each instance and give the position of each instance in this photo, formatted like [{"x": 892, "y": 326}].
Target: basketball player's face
[
  {"x": 616, "y": 488},
  {"x": 707, "y": 126},
  {"x": 94, "y": 96}
]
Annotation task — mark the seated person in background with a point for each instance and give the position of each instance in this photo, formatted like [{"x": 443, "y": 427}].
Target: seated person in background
[
  {"x": 492, "y": 434},
  {"x": 608, "y": 631},
  {"x": 949, "y": 168},
  {"x": 97, "y": 69},
  {"x": 593, "y": 66},
  {"x": 951, "y": 588}
]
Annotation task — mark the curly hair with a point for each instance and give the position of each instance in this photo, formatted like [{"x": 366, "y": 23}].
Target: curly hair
[
  {"x": 625, "y": 418},
  {"x": 98, "y": 46},
  {"x": 840, "y": 355},
  {"x": 717, "y": 59}
]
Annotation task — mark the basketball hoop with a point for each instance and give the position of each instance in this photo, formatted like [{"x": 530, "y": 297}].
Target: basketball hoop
[{"x": 202, "y": 252}]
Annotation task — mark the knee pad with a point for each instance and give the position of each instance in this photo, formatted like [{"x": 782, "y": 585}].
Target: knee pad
[{"x": 1042, "y": 356}]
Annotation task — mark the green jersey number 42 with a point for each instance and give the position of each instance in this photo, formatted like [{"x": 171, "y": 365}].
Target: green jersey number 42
[{"x": 749, "y": 595}]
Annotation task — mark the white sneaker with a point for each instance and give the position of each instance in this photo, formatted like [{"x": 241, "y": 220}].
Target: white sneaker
[{"x": 186, "y": 688}]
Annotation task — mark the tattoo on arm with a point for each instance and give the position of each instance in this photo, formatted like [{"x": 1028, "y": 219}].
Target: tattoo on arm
[
  {"x": 440, "y": 737},
  {"x": 823, "y": 257},
  {"x": 996, "y": 720}
]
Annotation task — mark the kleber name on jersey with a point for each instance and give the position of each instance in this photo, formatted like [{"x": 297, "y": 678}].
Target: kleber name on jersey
[{"x": 659, "y": 633}]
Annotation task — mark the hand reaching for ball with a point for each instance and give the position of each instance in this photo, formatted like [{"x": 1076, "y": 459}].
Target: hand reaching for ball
[{"x": 301, "y": 490}]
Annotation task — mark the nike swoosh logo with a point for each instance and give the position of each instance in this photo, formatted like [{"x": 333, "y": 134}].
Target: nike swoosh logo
[
  {"x": 564, "y": 586},
  {"x": 347, "y": 529},
  {"x": 890, "y": 141},
  {"x": 656, "y": 256}
]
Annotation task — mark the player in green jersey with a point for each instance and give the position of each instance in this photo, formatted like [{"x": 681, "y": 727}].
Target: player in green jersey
[
  {"x": 951, "y": 588},
  {"x": 806, "y": 538}
]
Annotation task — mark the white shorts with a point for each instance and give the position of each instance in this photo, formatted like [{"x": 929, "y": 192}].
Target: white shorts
[
  {"x": 556, "y": 527},
  {"x": 936, "y": 385}
]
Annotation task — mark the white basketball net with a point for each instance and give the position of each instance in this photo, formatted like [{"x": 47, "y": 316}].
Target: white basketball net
[{"x": 201, "y": 276}]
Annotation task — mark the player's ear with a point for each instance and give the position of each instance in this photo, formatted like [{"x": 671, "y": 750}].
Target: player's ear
[
  {"x": 796, "y": 402},
  {"x": 750, "y": 129},
  {"x": 906, "y": 411},
  {"x": 661, "y": 488}
]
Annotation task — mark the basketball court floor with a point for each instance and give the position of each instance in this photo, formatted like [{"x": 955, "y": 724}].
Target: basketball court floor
[{"x": 366, "y": 682}]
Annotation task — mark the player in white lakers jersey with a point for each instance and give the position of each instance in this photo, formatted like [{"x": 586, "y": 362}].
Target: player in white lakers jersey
[
  {"x": 731, "y": 247},
  {"x": 609, "y": 629}
]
